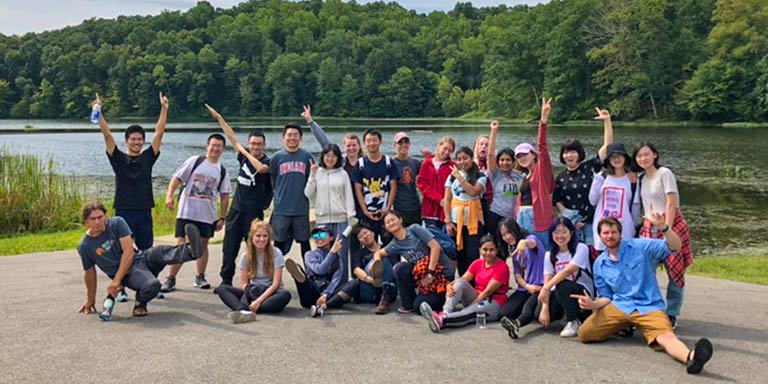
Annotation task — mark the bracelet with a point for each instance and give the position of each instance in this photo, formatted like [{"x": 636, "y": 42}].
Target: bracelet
[
  {"x": 665, "y": 230},
  {"x": 431, "y": 271}
]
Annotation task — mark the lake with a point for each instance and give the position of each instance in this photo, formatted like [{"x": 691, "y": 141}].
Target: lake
[{"x": 721, "y": 172}]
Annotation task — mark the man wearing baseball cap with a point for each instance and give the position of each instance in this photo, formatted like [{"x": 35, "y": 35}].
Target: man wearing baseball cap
[{"x": 407, "y": 199}]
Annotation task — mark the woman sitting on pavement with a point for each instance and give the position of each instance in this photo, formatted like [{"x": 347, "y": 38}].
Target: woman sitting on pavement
[
  {"x": 261, "y": 278},
  {"x": 491, "y": 276},
  {"x": 527, "y": 255},
  {"x": 322, "y": 278},
  {"x": 424, "y": 260},
  {"x": 566, "y": 271},
  {"x": 374, "y": 281}
]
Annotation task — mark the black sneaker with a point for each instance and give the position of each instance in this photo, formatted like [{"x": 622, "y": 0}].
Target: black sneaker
[
  {"x": 194, "y": 245},
  {"x": 702, "y": 352},
  {"x": 513, "y": 329},
  {"x": 201, "y": 282},
  {"x": 673, "y": 320},
  {"x": 168, "y": 285}
]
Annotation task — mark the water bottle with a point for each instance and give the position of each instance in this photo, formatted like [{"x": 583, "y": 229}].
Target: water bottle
[
  {"x": 95, "y": 113},
  {"x": 109, "y": 306},
  {"x": 480, "y": 320}
]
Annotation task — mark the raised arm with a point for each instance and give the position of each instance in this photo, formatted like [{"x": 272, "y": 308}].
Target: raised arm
[
  {"x": 492, "y": 146},
  {"x": 316, "y": 129},
  {"x": 157, "y": 139},
  {"x": 109, "y": 140},
  {"x": 605, "y": 116},
  {"x": 230, "y": 133},
  {"x": 657, "y": 219}
]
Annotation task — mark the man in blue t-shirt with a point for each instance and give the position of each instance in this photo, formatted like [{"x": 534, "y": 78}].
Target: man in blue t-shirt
[
  {"x": 375, "y": 177},
  {"x": 629, "y": 295},
  {"x": 107, "y": 243},
  {"x": 407, "y": 199}
]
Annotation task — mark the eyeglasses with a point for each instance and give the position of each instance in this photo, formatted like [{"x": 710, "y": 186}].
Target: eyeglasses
[{"x": 320, "y": 235}]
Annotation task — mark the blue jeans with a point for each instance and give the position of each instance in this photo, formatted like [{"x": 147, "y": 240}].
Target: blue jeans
[
  {"x": 674, "y": 298},
  {"x": 525, "y": 221},
  {"x": 369, "y": 293}
]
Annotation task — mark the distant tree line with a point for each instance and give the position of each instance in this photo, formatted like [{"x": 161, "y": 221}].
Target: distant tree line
[{"x": 665, "y": 59}]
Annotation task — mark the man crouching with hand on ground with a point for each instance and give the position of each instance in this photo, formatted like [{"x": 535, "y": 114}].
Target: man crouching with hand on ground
[
  {"x": 107, "y": 243},
  {"x": 625, "y": 277}
]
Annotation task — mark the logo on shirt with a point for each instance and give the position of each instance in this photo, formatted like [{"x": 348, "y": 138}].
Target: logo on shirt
[
  {"x": 613, "y": 202},
  {"x": 407, "y": 175},
  {"x": 293, "y": 166},
  {"x": 203, "y": 187}
]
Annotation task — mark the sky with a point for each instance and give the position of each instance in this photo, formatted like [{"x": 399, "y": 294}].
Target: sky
[{"x": 19, "y": 17}]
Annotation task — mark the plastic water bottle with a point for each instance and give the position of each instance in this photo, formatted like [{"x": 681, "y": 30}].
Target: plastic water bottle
[
  {"x": 480, "y": 320},
  {"x": 95, "y": 113},
  {"x": 109, "y": 306}
]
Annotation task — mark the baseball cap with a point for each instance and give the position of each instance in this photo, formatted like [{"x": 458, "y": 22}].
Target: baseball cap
[{"x": 401, "y": 135}]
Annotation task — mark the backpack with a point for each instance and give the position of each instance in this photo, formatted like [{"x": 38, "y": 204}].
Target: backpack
[
  {"x": 361, "y": 163},
  {"x": 199, "y": 160},
  {"x": 445, "y": 241}
]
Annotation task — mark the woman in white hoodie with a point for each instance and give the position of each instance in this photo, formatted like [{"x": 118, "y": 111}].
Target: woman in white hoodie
[{"x": 330, "y": 191}]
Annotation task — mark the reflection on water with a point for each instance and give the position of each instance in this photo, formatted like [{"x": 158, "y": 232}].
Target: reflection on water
[{"x": 721, "y": 172}]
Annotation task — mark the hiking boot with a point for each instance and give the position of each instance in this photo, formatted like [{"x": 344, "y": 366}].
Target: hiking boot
[
  {"x": 194, "y": 245},
  {"x": 571, "y": 329},
  {"x": 702, "y": 352},
  {"x": 512, "y": 327},
  {"x": 295, "y": 271},
  {"x": 239, "y": 317},
  {"x": 673, "y": 321},
  {"x": 201, "y": 282},
  {"x": 434, "y": 319},
  {"x": 377, "y": 270},
  {"x": 169, "y": 284},
  {"x": 122, "y": 297},
  {"x": 383, "y": 306},
  {"x": 315, "y": 311}
]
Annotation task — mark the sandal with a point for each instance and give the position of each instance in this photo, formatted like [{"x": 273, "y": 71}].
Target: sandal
[{"x": 140, "y": 310}]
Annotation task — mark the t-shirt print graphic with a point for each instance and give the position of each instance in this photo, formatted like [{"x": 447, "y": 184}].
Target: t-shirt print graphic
[
  {"x": 375, "y": 195},
  {"x": 407, "y": 175},
  {"x": 613, "y": 202},
  {"x": 203, "y": 187}
]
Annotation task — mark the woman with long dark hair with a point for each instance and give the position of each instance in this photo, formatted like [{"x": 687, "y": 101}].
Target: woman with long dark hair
[
  {"x": 505, "y": 182},
  {"x": 527, "y": 254}
]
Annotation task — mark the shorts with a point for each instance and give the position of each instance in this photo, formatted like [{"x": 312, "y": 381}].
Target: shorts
[
  {"x": 290, "y": 227},
  {"x": 206, "y": 230}
]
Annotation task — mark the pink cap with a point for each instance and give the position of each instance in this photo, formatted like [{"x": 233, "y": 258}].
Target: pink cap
[
  {"x": 523, "y": 148},
  {"x": 401, "y": 135}
]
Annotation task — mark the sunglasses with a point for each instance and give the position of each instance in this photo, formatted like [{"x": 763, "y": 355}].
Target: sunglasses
[
  {"x": 320, "y": 235},
  {"x": 403, "y": 142},
  {"x": 521, "y": 155}
]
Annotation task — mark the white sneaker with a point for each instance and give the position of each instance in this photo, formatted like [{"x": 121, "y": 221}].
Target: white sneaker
[{"x": 571, "y": 329}]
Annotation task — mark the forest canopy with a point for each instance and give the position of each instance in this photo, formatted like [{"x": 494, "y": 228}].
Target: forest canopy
[{"x": 643, "y": 59}]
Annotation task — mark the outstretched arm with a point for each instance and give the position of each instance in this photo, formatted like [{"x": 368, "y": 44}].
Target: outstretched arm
[
  {"x": 316, "y": 129},
  {"x": 605, "y": 116},
  {"x": 157, "y": 139},
  {"x": 492, "y": 146},
  {"x": 109, "y": 140},
  {"x": 230, "y": 133}
]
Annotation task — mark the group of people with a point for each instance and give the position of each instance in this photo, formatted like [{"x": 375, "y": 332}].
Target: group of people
[{"x": 440, "y": 234}]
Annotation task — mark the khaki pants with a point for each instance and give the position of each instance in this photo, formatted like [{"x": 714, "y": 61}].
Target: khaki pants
[{"x": 609, "y": 320}]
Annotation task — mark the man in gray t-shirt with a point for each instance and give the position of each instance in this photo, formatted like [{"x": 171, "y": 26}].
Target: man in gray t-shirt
[
  {"x": 107, "y": 243},
  {"x": 407, "y": 199}
]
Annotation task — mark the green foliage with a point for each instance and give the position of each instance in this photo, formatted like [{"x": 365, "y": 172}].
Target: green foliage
[
  {"x": 644, "y": 59},
  {"x": 746, "y": 268}
]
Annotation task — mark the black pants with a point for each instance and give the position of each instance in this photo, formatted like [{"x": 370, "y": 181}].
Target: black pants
[
  {"x": 308, "y": 291},
  {"x": 142, "y": 277},
  {"x": 238, "y": 299},
  {"x": 352, "y": 292},
  {"x": 513, "y": 306},
  {"x": 406, "y": 287},
  {"x": 236, "y": 231},
  {"x": 492, "y": 221},
  {"x": 471, "y": 250},
  {"x": 569, "y": 305}
]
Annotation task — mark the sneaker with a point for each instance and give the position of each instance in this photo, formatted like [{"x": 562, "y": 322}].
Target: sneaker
[
  {"x": 435, "y": 319},
  {"x": 160, "y": 295},
  {"x": 383, "y": 306},
  {"x": 512, "y": 327},
  {"x": 168, "y": 285},
  {"x": 194, "y": 245},
  {"x": 315, "y": 311},
  {"x": 295, "y": 271},
  {"x": 377, "y": 270},
  {"x": 201, "y": 282},
  {"x": 571, "y": 329},
  {"x": 673, "y": 320},
  {"x": 702, "y": 352},
  {"x": 122, "y": 297},
  {"x": 238, "y": 317},
  {"x": 404, "y": 311}
]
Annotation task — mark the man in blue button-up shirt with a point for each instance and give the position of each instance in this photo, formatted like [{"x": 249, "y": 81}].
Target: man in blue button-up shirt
[{"x": 625, "y": 277}]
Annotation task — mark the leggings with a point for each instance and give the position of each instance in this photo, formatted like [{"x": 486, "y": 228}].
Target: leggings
[
  {"x": 466, "y": 294},
  {"x": 514, "y": 304},
  {"x": 238, "y": 299}
]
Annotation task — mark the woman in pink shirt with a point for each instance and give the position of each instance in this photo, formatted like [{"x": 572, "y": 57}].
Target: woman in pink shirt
[{"x": 491, "y": 276}]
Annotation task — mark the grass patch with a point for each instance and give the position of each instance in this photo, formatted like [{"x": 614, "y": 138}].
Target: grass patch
[
  {"x": 747, "y": 268},
  {"x": 163, "y": 219}
]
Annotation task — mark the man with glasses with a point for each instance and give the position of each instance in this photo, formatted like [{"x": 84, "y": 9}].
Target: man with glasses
[
  {"x": 252, "y": 196},
  {"x": 407, "y": 198}
]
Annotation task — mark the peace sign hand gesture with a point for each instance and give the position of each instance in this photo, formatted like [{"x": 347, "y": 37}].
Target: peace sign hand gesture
[
  {"x": 602, "y": 114},
  {"x": 546, "y": 108},
  {"x": 307, "y": 114}
]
